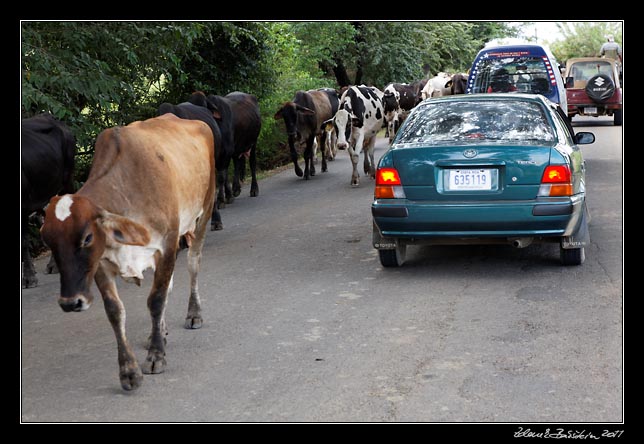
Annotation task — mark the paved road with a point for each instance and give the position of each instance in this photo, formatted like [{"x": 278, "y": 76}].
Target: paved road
[{"x": 301, "y": 323}]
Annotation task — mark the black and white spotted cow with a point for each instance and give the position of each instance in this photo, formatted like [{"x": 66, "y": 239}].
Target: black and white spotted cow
[
  {"x": 399, "y": 99},
  {"x": 359, "y": 118}
]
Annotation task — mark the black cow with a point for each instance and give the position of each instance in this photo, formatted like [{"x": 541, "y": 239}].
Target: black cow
[
  {"x": 247, "y": 123},
  {"x": 223, "y": 150},
  {"x": 223, "y": 113},
  {"x": 47, "y": 153},
  {"x": 304, "y": 117},
  {"x": 240, "y": 122}
]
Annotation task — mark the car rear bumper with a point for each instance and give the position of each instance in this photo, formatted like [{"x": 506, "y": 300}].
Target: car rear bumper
[
  {"x": 600, "y": 109},
  {"x": 402, "y": 218}
]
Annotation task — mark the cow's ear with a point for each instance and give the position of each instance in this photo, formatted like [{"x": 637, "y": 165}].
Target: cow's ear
[
  {"x": 327, "y": 125},
  {"x": 356, "y": 122},
  {"x": 212, "y": 106},
  {"x": 216, "y": 114},
  {"x": 122, "y": 230},
  {"x": 278, "y": 114}
]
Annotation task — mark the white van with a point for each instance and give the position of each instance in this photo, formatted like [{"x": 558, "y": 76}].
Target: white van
[{"x": 524, "y": 67}]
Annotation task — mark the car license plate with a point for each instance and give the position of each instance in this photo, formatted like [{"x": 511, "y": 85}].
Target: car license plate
[
  {"x": 590, "y": 110},
  {"x": 479, "y": 179}
]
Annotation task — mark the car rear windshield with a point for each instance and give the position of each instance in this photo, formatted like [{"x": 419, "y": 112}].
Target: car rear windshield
[
  {"x": 521, "y": 73},
  {"x": 494, "y": 121},
  {"x": 587, "y": 69}
]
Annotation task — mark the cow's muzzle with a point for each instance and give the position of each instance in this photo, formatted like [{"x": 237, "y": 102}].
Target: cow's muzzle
[{"x": 75, "y": 303}]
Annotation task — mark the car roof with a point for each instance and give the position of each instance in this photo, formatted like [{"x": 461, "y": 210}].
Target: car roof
[
  {"x": 532, "y": 47},
  {"x": 503, "y": 96},
  {"x": 588, "y": 59}
]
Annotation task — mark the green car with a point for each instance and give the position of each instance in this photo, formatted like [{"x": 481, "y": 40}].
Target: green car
[{"x": 482, "y": 169}]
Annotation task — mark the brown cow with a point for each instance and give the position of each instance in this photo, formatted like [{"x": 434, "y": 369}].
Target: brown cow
[
  {"x": 304, "y": 117},
  {"x": 150, "y": 189}
]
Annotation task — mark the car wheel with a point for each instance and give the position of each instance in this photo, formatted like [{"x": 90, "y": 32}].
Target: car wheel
[
  {"x": 572, "y": 256},
  {"x": 393, "y": 258},
  {"x": 618, "y": 116}
]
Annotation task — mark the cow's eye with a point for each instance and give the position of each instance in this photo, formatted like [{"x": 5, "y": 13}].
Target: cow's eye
[{"x": 88, "y": 240}]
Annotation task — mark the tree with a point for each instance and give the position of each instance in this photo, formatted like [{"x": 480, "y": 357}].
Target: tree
[
  {"x": 584, "y": 39},
  {"x": 98, "y": 74},
  {"x": 378, "y": 53},
  {"x": 93, "y": 75}
]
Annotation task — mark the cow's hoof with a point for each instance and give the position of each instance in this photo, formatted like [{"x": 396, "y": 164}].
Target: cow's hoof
[
  {"x": 193, "y": 322},
  {"x": 355, "y": 183},
  {"x": 154, "y": 364},
  {"x": 29, "y": 281},
  {"x": 131, "y": 378},
  {"x": 216, "y": 226},
  {"x": 236, "y": 193},
  {"x": 299, "y": 172},
  {"x": 51, "y": 267},
  {"x": 254, "y": 193}
]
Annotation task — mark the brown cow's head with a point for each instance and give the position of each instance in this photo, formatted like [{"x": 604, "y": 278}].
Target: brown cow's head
[{"x": 77, "y": 232}]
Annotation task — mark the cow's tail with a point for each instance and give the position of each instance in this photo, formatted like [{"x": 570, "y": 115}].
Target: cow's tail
[{"x": 69, "y": 154}]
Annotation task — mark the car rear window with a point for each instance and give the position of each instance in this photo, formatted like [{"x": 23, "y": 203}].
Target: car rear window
[
  {"x": 587, "y": 69},
  {"x": 457, "y": 123},
  {"x": 523, "y": 73}
]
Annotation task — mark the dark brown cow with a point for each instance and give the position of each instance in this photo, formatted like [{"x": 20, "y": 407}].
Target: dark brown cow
[
  {"x": 304, "y": 117},
  {"x": 458, "y": 83},
  {"x": 151, "y": 187}
]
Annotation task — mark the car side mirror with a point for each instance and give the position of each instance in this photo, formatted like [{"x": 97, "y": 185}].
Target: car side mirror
[
  {"x": 584, "y": 138},
  {"x": 570, "y": 81}
]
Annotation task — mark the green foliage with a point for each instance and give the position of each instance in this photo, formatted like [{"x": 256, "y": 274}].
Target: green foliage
[
  {"x": 377, "y": 53},
  {"x": 584, "y": 39},
  {"x": 94, "y": 75}
]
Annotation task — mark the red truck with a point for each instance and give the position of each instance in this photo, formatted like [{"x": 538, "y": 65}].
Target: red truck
[{"x": 594, "y": 88}]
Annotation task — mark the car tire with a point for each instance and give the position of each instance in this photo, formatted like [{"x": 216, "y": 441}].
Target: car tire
[
  {"x": 618, "y": 116},
  {"x": 572, "y": 256},
  {"x": 393, "y": 258},
  {"x": 600, "y": 88}
]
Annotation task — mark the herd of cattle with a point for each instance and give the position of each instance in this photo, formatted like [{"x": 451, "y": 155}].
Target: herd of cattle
[{"x": 154, "y": 184}]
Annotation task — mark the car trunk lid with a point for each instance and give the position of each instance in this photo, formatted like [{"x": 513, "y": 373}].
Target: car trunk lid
[{"x": 464, "y": 172}]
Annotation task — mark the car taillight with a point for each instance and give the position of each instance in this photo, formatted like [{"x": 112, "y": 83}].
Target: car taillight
[
  {"x": 556, "y": 181},
  {"x": 388, "y": 184}
]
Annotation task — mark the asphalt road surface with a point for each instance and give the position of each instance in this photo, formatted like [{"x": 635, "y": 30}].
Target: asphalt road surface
[{"x": 302, "y": 324}]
